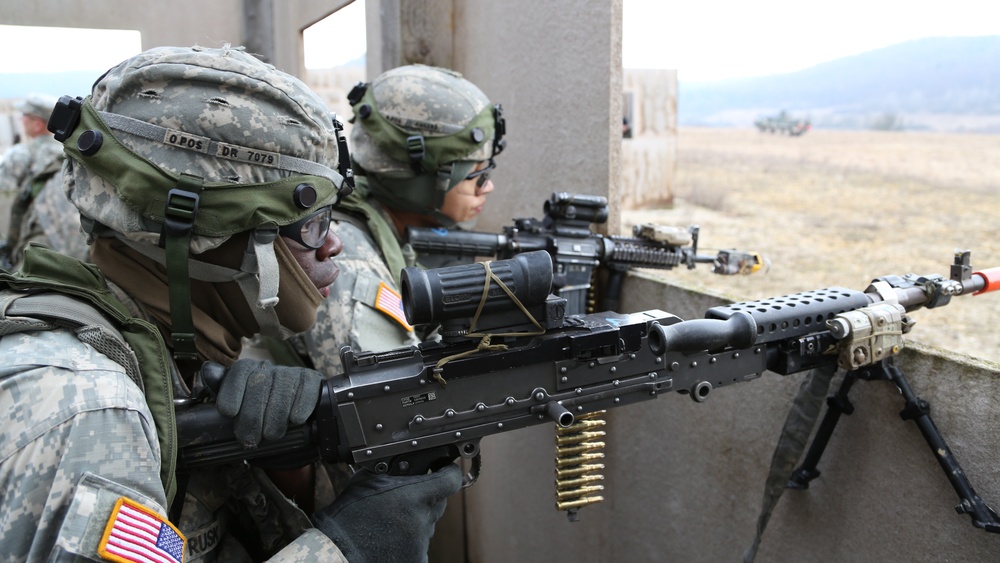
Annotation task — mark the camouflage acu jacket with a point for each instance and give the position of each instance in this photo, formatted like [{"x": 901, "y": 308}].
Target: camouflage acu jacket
[
  {"x": 22, "y": 162},
  {"x": 364, "y": 309},
  {"x": 80, "y": 447}
]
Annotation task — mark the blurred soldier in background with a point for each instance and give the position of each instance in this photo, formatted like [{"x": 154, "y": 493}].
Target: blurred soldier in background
[
  {"x": 43, "y": 214},
  {"x": 423, "y": 146},
  {"x": 206, "y": 180},
  {"x": 27, "y": 167},
  {"x": 34, "y": 154}
]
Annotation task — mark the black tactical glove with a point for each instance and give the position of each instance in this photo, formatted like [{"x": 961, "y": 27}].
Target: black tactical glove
[
  {"x": 266, "y": 399},
  {"x": 387, "y": 518}
]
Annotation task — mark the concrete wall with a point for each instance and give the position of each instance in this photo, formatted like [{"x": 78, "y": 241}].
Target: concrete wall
[
  {"x": 684, "y": 480},
  {"x": 333, "y": 85},
  {"x": 556, "y": 68},
  {"x": 289, "y": 19},
  {"x": 649, "y": 157},
  {"x": 270, "y": 28},
  {"x": 563, "y": 113},
  {"x": 179, "y": 22}
]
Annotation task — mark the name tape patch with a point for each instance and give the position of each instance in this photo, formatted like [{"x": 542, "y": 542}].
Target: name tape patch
[
  {"x": 186, "y": 140},
  {"x": 243, "y": 154},
  {"x": 205, "y": 145}
]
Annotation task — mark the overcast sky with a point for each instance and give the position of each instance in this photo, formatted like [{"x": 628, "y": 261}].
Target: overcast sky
[
  {"x": 703, "y": 40},
  {"x": 714, "y": 40}
]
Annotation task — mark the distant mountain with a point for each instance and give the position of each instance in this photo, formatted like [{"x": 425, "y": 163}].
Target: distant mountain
[{"x": 950, "y": 83}]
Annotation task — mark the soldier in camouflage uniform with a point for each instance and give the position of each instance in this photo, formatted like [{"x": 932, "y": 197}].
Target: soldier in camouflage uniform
[
  {"x": 33, "y": 155},
  {"x": 423, "y": 144},
  {"x": 49, "y": 218},
  {"x": 26, "y": 169},
  {"x": 206, "y": 180}
]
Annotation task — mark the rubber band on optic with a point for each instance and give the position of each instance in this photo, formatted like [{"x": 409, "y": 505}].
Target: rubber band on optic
[
  {"x": 310, "y": 231},
  {"x": 481, "y": 176}
]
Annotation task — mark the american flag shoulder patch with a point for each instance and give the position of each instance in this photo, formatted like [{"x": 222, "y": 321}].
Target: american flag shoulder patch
[
  {"x": 391, "y": 303},
  {"x": 136, "y": 534}
]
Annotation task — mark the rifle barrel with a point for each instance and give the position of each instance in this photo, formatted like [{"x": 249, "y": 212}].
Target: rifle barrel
[{"x": 460, "y": 244}]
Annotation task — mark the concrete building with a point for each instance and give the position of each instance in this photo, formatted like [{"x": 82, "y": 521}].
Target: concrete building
[{"x": 684, "y": 480}]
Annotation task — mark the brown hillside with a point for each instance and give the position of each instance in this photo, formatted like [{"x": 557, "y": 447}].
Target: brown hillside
[{"x": 840, "y": 208}]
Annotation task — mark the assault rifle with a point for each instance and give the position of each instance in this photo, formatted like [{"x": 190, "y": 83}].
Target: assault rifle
[
  {"x": 578, "y": 254},
  {"x": 510, "y": 358}
]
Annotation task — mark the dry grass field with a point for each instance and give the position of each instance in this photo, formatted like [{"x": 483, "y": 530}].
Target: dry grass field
[{"x": 840, "y": 208}]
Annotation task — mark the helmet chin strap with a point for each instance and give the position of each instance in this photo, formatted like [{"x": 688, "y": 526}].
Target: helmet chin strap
[
  {"x": 442, "y": 185},
  {"x": 260, "y": 288},
  {"x": 257, "y": 277},
  {"x": 259, "y": 262},
  {"x": 179, "y": 215}
]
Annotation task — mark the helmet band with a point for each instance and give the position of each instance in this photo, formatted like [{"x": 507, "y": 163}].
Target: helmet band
[
  {"x": 426, "y": 153},
  {"x": 223, "y": 210}
]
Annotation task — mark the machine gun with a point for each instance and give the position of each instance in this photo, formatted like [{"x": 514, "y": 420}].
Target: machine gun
[
  {"x": 577, "y": 253},
  {"x": 510, "y": 358}
]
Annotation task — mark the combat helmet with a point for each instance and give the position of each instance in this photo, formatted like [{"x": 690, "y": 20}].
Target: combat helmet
[
  {"x": 37, "y": 105},
  {"x": 177, "y": 150},
  {"x": 419, "y": 131}
]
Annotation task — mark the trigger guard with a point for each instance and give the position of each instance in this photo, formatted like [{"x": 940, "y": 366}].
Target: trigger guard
[{"x": 473, "y": 474}]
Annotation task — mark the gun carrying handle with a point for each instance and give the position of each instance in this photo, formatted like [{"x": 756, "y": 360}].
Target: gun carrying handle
[{"x": 699, "y": 335}]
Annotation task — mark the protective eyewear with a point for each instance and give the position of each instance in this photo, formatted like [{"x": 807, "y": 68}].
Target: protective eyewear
[
  {"x": 310, "y": 231},
  {"x": 481, "y": 176}
]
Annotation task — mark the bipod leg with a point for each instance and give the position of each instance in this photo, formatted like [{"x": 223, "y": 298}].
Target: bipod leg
[
  {"x": 837, "y": 404},
  {"x": 918, "y": 410}
]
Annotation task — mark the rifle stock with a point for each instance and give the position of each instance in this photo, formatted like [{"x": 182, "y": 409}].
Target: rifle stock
[{"x": 406, "y": 411}]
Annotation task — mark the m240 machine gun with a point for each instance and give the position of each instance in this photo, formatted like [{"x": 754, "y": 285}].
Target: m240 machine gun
[
  {"x": 578, "y": 253},
  {"x": 510, "y": 358}
]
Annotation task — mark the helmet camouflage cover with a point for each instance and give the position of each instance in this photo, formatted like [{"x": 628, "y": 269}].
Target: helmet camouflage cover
[
  {"x": 178, "y": 149},
  {"x": 217, "y": 114},
  {"x": 418, "y": 131},
  {"x": 37, "y": 105}
]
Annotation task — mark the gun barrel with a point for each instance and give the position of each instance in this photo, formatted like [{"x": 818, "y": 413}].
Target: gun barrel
[
  {"x": 795, "y": 315},
  {"x": 460, "y": 244},
  {"x": 986, "y": 280}
]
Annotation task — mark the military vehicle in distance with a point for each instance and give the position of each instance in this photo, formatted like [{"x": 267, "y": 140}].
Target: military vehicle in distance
[{"x": 783, "y": 123}]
